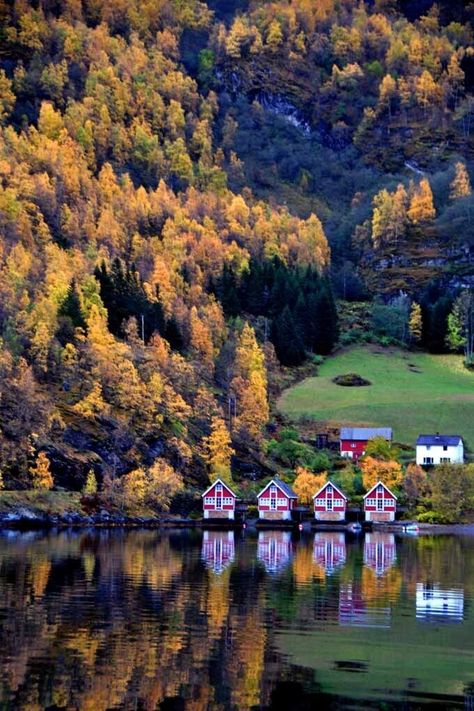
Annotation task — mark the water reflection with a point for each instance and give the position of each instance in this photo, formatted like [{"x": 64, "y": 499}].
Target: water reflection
[
  {"x": 436, "y": 604},
  {"x": 142, "y": 620},
  {"x": 274, "y": 549},
  {"x": 380, "y": 552},
  {"x": 218, "y": 549},
  {"x": 329, "y": 550}
]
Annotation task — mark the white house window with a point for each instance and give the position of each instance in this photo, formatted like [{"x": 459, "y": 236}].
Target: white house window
[
  {"x": 428, "y": 446},
  {"x": 273, "y": 502},
  {"x": 427, "y": 460},
  {"x": 273, "y": 490},
  {"x": 218, "y": 502},
  {"x": 281, "y": 502},
  {"x": 227, "y": 501},
  {"x": 371, "y": 502},
  {"x": 264, "y": 502},
  {"x": 218, "y": 487},
  {"x": 338, "y": 502},
  {"x": 209, "y": 500},
  {"x": 353, "y": 445},
  {"x": 329, "y": 504},
  {"x": 445, "y": 448},
  {"x": 444, "y": 460},
  {"x": 379, "y": 504}
]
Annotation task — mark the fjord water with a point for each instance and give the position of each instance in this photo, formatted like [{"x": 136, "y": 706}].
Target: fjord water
[{"x": 216, "y": 620}]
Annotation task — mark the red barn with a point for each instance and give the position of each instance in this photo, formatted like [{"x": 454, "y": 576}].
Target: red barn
[
  {"x": 276, "y": 501},
  {"x": 380, "y": 504},
  {"x": 219, "y": 501},
  {"x": 353, "y": 440},
  {"x": 329, "y": 503}
]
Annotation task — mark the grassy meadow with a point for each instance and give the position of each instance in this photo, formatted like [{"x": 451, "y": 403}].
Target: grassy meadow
[{"x": 412, "y": 392}]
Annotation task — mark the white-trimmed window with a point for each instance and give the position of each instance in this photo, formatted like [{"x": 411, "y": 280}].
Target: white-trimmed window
[
  {"x": 281, "y": 502},
  {"x": 218, "y": 487},
  {"x": 371, "y": 502},
  {"x": 380, "y": 505},
  {"x": 228, "y": 501},
  {"x": 273, "y": 502},
  {"x": 338, "y": 502},
  {"x": 264, "y": 502},
  {"x": 329, "y": 504},
  {"x": 428, "y": 460},
  {"x": 273, "y": 490},
  {"x": 209, "y": 500}
]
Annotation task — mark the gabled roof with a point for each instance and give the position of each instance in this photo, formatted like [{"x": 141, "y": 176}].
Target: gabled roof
[
  {"x": 219, "y": 481},
  {"x": 380, "y": 483},
  {"x": 440, "y": 440},
  {"x": 366, "y": 433},
  {"x": 334, "y": 487},
  {"x": 285, "y": 488}
]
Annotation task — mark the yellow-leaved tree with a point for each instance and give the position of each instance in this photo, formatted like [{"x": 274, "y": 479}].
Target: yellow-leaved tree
[
  {"x": 415, "y": 323},
  {"x": 41, "y": 476},
  {"x": 307, "y": 484},
  {"x": 421, "y": 204},
  {"x": 389, "y": 472},
  {"x": 90, "y": 487},
  {"x": 461, "y": 185},
  {"x": 218, "y": 451},
  {"x": 250, "y": 385}
]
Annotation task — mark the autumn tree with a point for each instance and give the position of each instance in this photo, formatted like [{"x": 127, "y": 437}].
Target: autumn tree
[
  {"x": 421, "y": 207},
  {"x": 218, "y": 451},
  {"x": 40, "y": 472},
  {"x": 460, "y": 185},
  {"x": 90, "y": 486},
  {"x": 307, "y": 484},
  {"x": 250, "y": 384},
  {"x": 452, "y": 490},
  {"x": 415, "y": 323},
  {"x": 374, "y": 470},
  {"x": 415, "y": 484}
]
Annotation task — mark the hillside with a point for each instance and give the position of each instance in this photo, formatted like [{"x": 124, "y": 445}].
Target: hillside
[
  {"x": 413, "y": 393},
  {"x": 186, "y": 191}
]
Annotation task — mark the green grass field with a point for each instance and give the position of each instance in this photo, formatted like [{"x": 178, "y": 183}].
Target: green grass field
[{"x": 414, "y": 393}]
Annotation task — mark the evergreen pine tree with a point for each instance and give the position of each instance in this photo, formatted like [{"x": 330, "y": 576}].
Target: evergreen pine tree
[
  {"x": 286, "y": 339},
  {"x": 327, "y": 319}
]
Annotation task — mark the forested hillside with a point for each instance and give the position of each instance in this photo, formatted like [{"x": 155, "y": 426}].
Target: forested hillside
[{"x": 186, "y": 188}]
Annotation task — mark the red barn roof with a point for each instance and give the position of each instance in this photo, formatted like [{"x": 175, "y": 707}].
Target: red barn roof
[
  {"x": 333, "y": 486},
  {"x": 219, "y": 481},
  {"x": 380, "y": 483}
]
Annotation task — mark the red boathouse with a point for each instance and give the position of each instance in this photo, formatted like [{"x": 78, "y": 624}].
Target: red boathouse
[
  {"x": 219, "y": 501},
  {"x": 380, "y": 504},
  {"x": 276, "y": 501},
  {"x": 329, "y": 503},
  {"x": 353, "y": 440}
]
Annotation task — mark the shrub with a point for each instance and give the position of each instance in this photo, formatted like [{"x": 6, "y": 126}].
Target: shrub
[{"x": 432, "y": 517}]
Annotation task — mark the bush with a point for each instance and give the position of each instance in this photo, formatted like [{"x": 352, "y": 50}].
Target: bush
[
  {"x": 351, "y": 380},
  {"x": 432, "y": 517}
]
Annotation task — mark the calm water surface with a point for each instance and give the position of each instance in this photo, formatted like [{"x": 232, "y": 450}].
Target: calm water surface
[{"x": 216, "y": 620}]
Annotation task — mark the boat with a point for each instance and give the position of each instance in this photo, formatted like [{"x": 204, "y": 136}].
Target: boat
[
  {"x": 411, "y": 528},
  {"x": 355, "y": 527}
]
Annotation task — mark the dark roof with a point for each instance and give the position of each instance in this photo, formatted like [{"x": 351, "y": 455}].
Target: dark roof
[
  {"x": 439, "y": 439},
  {"x": 366, "y": 433},
  {"x": 286, "y": 488}
]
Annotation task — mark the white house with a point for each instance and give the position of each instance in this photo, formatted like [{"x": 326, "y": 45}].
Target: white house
[{"x": 439, "y": 449}]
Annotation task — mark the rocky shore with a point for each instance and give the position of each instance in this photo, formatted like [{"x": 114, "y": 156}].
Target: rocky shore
[{"x": 24, "y": 517}]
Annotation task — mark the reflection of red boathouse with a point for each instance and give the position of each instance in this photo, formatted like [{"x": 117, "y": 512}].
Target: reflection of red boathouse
[
  {"x": 355, "y": 612},
  {"x": 380, "y": 551},
  {"x": 329, "y": 550},
  {"x": 274, "y": 549},
  {"x": 218, "y": 549}
]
